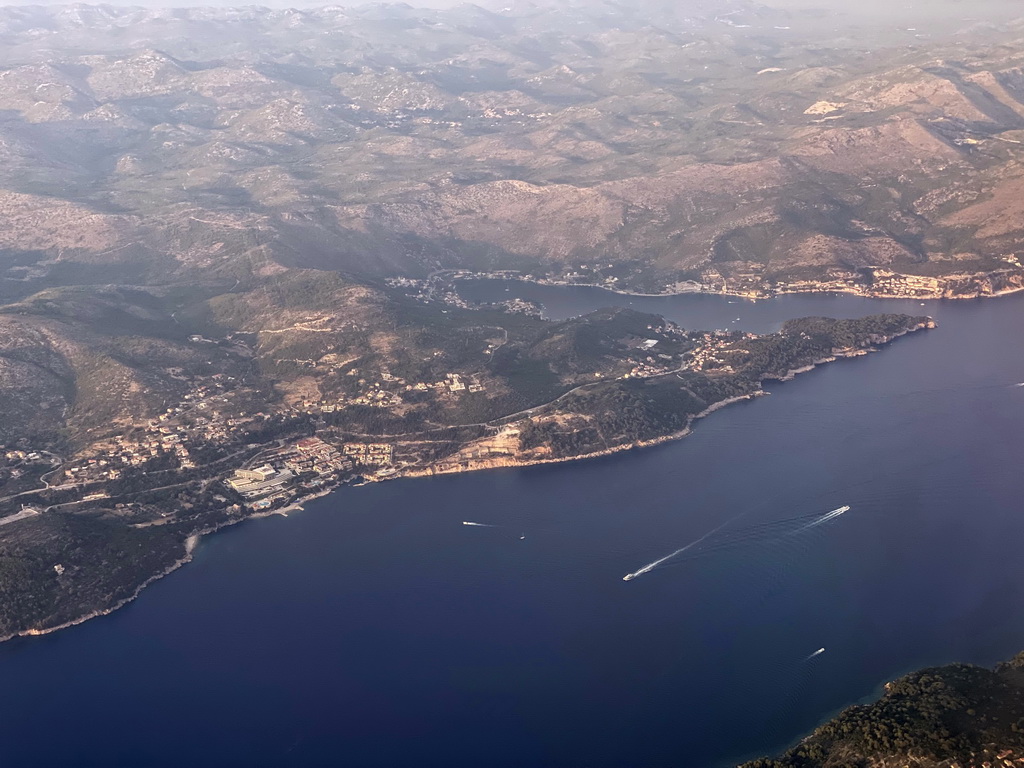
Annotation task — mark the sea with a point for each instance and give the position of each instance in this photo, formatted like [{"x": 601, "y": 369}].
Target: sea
[{"x": 375, "y": 629}]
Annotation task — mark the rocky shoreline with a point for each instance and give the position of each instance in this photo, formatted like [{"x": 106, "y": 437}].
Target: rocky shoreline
[
  {"x": 512, "y": 462},
  {"x": 297, "y": 503},
  {"x": 190, "y": 544},
  {"x": 471, "y": 465},
  {"x": 106, "y": 611}
]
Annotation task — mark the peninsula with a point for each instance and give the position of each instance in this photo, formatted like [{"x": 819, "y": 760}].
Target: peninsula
[
  {"x": 231, "y": 241},
  {"x": 138, "y": 421},
  {"x": 227, "y": 270}
]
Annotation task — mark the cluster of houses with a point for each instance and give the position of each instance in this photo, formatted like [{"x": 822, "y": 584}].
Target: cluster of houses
[
  {"x": 17, "y": 457},
  {"x": 271, "y": 481},
  {"x": 650, "y": 366},
  {"x": 264, "y": 485},
  {"x": 882, "y": 282},
  {"x": 905, "y": 286},
  {"x": 378, "y": 397},
  {"x": 1007, "y": 758},
  {"x": 205, "y": 415},
  {"x": 158, "y": 441},
  {"x": 452, "y": 382},
  {"x": 374, "y": 454},
  {"x": 311, "y": 454},
  {"x": 16, "y": 462},
  {"x": 709, "y": 354}
]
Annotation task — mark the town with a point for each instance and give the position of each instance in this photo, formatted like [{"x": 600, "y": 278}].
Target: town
[{"x": 223, "y": 445}]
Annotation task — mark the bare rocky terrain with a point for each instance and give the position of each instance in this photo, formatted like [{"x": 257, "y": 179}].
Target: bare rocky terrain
[
  {"x": 233, "y": 236},
  {"x": 276, "y": 181},
  {"x": 228, "y": 240},
  {"x": 727, "y": 145}
]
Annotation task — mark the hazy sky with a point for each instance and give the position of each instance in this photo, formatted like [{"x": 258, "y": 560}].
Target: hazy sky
[{"x": 881, "y": 10}]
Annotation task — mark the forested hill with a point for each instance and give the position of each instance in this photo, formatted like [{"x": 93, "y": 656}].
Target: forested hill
[
  {"x": 663, "y": 399},
  {"x": 957, "y": 715}
]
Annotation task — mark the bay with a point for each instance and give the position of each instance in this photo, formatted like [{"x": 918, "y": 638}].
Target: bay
[{"x": 375, "y": 629}]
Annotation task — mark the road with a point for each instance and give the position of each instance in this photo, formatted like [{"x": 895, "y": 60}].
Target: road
[
  {"x": 21, "y": 516},
  {"x": 25, "y": 513}
]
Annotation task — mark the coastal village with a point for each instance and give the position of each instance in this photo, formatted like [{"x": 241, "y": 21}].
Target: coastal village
[
  {"x": 212, "y": 428},
  {"x": 224, "y": 446},
  {"x": 749, "y": 281},
  {"x": 248, "y": 455}
]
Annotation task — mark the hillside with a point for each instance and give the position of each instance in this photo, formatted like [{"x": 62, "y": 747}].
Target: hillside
[
  {"x": 231, "y": 239},
  {"x": 941, "y": 717},
  {"x": 127, "y": 409},
  {"x": 716, "y": 369},
  {"x": 730, "y": 147}
]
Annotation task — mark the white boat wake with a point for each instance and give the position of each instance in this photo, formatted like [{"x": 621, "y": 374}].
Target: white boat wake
[
  {"x": 771, "y": 531},
  {"x": 651, "y": 566},
  {"x": 816, "y": 653},
  {"x": 824, "y": 519},
  {"x": 479, "y": 525}
]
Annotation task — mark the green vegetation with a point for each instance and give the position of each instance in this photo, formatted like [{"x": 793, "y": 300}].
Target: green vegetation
[
  {"x": 957, "y": 713},
  {"x": 189, "y": 277},
  {"x": 614, "y": 414},
  {"x": 806, "y": 340},
  {"x": 57, "y": 568},
  {"x": 152, "y": 394},
  {"x": 611, "y": 414}
]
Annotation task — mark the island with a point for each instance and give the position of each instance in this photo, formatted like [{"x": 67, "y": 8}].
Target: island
[{"x": 956, "y": 716}]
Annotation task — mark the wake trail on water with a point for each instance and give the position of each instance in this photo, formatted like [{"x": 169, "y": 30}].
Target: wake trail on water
[
  {"x": 816, "y": 653},
  {"x": 823, "y": 519},
  {"x": 480, "y": 525},
  {"x": 776, "y": 531},
  {"x": 773, "y": 531},
  {"x": 651, "y": 566},
  {"x": 767, "y": 532}
]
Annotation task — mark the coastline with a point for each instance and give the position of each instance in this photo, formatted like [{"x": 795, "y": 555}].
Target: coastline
[
  {"x": 708, "y": 289},
  {"x": 106, "y": 611},
  {"x": 190, "y": 543},
  {"x": 513, "y": 463},
  {"x": 296, "y": 504},
  {"x": 193, "y": 540},
  {"x": 791, "y": 374}
]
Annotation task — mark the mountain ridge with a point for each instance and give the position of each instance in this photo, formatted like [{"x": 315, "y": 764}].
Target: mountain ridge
[{"x": 737, "y": 147}]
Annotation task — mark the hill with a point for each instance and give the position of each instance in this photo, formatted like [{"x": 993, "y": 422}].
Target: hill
[
  {"x": 230, "y": 237},
  {"x": 937, "y": 718},
  {"x": 732, "y": 147}
]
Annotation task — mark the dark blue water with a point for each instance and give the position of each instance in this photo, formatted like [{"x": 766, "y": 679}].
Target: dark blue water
[{"x": 374, "y": 629}]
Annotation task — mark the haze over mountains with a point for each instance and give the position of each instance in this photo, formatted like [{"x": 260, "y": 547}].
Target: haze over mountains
[
  {"x": 222, "y": 229},
  {"x": 160, "y": 163},
  {"x": 226, "y": 231},
  {"x": 714, "y": 141}
]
